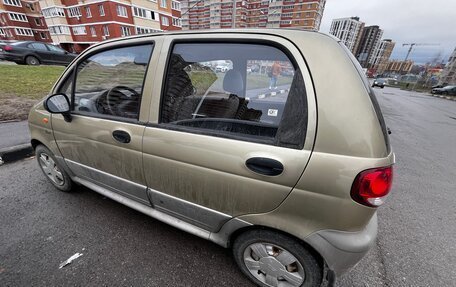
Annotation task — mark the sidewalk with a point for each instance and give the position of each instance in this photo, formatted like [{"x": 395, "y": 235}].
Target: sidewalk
[
  {"x": 13, "y": 134},
  {"x": 14, "y": 141}
]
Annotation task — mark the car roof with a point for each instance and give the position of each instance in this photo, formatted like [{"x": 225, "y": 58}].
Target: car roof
[{"x": 288, "y": 33}]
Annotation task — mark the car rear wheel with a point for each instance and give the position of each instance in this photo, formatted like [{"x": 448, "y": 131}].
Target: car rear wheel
[
  {"x": 52, "y": 170},
  {"x": 272, "y": 259},
  {"x": 31, "y": 60}
]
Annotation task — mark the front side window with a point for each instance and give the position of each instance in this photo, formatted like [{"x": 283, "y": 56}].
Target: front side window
[
  {"x": 110, "y": 83},
  {"x": 235, "y": 90}
]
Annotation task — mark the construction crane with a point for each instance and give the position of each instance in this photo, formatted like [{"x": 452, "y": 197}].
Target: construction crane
[{"x": 413, "y": 45}]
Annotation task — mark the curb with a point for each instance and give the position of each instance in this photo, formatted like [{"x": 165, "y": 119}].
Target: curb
[
  {"x": 15, "y": 153},
  {"x": 443, "y": 97}
]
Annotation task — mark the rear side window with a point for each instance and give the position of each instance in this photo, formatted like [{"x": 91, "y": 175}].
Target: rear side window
[{"x": 235, "y": 90}]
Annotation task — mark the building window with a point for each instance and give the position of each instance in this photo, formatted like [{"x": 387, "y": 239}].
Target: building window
[
  {"x": 16, "y": 3},
  {"x": 30, "y": 6},
  {"x": 43, "y": 35},
  {"x": 79, "y": 30},
  {"x": 24, "y": 31},
  {"x": 177, "y": 22},
  {"x": 143, "y": 13},
  {"x": 2, "y": 32},
  {"x": 59, "y": 30},
  {"x": 93, "y": 31},
  {"x": 105, "y": 30},
  {"x": 164, "y": 21},
  {"x": 74, "y": 12},
  {"x": 101, "y": 10},
  {"x": 122, "y": 11},
  {"x": 17, "y": 17},
  {"x": 53, "y": 12},
  {"x": 175, "y": 5},
  {"x": 38, "y": 21},
  {"x": 125, "y": 31},
  {"x": 88, "y": 12},
  {"x": 163, "y": 3},
  {"x": 142, "y": 30}
]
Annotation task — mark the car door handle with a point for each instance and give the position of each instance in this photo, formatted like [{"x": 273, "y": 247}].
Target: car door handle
[
  {"x": 121, "y": 136},
  {"x": 264, "y": 166}
]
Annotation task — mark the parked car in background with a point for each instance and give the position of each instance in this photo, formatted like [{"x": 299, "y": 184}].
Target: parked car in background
[
  {"x": 222, "y": 68},
  {"x": 379, "y": 83},
  {"x": 245, "y": 170},
  {"x": 448, "y": 90},
  {"x": 35, "y": 53}
]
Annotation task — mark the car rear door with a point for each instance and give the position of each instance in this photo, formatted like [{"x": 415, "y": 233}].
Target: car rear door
[
  {"x": 110, "y": 93},
  {"x": 219, "y": 145}
]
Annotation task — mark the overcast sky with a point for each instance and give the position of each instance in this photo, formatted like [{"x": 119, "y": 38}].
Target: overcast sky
[{"x": 403, "y": 21}]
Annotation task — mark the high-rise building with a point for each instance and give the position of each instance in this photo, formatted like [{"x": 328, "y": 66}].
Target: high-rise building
[
  {"x": 76, "y": 24},
  {"x": 22, "y": 20},
  {"x": 349, "y": 31},
  {"x": 449, "y": 72},
  {"x": 381, "y": 55},
  {"x": 369, "y": 40},
  {"x": 212, "y": 14}
]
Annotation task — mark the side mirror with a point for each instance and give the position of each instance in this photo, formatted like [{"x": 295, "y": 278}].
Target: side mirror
[{"x": 58, "y": 104}]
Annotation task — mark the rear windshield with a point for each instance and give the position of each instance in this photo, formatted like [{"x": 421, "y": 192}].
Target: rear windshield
[{"x": 371, "y": 93}]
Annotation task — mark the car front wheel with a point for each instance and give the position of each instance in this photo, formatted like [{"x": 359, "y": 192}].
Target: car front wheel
[
  {"x": 52, "y": 170},
  {"x": 272, "y": 259}
]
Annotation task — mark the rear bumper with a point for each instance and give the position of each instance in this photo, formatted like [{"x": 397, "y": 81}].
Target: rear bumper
[{"x": 342, "y": 250}]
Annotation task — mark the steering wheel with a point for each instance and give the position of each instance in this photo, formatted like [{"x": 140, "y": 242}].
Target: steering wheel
[{"x": 121, "y": 104}]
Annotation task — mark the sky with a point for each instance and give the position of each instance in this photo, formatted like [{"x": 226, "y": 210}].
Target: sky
[{"x": 403, "y": 21}]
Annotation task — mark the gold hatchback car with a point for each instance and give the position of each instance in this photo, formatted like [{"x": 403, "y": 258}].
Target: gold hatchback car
[{"x": 270, "y": 142}]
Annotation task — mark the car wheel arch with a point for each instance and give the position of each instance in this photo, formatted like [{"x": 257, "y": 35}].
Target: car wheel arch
[{"x": 306, "y": 245}]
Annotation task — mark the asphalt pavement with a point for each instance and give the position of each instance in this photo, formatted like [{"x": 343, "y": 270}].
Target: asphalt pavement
[{"x": 416, "y": 246}]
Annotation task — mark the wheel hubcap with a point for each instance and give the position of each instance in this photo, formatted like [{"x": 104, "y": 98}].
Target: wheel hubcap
[
  {"x": 50, "y": 169},
  {"x": 273, "y": 265}
]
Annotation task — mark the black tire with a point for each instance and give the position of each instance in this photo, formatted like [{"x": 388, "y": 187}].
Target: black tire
[
  {"x": 313, "y": 272},
  {"x": 67, "y": 184},
  {"x": 32, "y": 61}
]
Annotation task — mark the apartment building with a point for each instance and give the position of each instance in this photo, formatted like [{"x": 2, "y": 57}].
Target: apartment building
[
  {"x": 22, "y": 20},
  {"x": 370, "y": 38},
  {"x": 449, "y": 72},
  {"x": 216, "y": 14},
  {"x": 76, "y": 24},
  {"x": 381, "y": 55},
  {"x": 349, "y": 31}
]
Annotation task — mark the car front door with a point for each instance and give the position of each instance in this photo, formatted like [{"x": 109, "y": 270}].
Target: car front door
[
  {"x": 59, "y": 56},
  {"x": 102, "y": 144},
  {"x": 220, "y": 145}
]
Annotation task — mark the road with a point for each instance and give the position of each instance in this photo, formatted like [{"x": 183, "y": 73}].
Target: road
[{"x": 416, "y": 245}]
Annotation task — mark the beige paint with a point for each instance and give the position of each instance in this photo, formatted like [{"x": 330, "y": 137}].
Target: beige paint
[{"x": 210, "y": 171}]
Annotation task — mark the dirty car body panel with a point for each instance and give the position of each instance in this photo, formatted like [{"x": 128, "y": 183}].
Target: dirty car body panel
[{"x": 286, "y": 161}]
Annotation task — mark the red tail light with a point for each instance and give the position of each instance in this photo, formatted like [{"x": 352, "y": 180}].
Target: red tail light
[
  {"x": 371, "y": 186},
  {"x": 8, "y": 48}
]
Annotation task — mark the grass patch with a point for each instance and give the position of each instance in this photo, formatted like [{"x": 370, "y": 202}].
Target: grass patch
[
  {"x": 27, "y": 81},
  {"x": 22, "y": 86}
]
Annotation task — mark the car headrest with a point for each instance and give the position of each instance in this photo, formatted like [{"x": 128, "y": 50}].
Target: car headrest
[{"x": 233, "y": 82}]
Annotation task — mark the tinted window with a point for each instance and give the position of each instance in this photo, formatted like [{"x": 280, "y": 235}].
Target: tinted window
[
  {"x": 56, "y": 49},
  {"x": 110, "y": 83},
  {"x": 38, "y": 46},
  {"x": 240, "y": 90}
]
